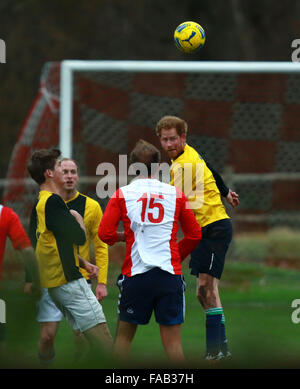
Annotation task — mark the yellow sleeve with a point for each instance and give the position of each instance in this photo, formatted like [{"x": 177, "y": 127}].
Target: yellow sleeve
[
  {"x": 101, "y": 249},
  {"x": 177, "y": 175}
]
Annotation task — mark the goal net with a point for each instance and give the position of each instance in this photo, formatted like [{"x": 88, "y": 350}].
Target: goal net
[{"x": 246, "y": 125}]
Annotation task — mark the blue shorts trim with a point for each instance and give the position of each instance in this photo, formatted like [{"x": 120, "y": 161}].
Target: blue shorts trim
[
  {"x": 155, "y": 291},
  {"x": 209, "y": 256}
]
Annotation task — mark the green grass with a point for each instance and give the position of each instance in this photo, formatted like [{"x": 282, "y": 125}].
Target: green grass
[
  {"x": 257, "y": 304},
  {"x": 278, "y": 245}
]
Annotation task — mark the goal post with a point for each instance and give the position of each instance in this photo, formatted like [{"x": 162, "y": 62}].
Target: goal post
[{"x": 68, "y": 67}]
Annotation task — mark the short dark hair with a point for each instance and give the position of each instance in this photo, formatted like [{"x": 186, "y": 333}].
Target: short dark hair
[
  {"x": 169, "y": 122},
  {"x": 146, "y": 153},
  {"x": 40, "y": 161}
]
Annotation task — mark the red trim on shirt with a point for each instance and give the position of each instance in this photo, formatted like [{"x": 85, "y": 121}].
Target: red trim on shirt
[
  {"x": 190, "y": 228},
  {"x": 115, "y": 211},
  {"x": 129, "y": 237},
  {"x": 175, "y": 256}
]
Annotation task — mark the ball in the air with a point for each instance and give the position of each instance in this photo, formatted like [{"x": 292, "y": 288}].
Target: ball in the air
[{"x": 189, "y": 37}]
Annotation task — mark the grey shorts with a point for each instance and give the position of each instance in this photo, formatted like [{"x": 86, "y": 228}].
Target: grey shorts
[
  {"x": 78, "y": 304},
  {"x": 47, "y": 310}
]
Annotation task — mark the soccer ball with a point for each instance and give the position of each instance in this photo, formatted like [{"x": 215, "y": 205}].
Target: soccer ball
[{"x": 189, "y": 37}]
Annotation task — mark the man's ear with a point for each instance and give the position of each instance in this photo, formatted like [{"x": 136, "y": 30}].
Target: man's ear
[{"x": 48, "y": 173}]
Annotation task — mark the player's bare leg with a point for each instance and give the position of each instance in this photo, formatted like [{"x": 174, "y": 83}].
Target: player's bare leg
[
  {"x": 46, "y": 349},
  {"x": 208, "y": 291},
  {"x": 81, "y": 344},
  {"x": 171, "y": 340},
  {"x": 99, "y": 337},
  {"x": 124, "y": 337}
]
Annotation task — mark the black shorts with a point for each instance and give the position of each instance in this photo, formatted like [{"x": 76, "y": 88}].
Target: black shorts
[
  {"x": 2, "y": 332},
  {"x": 209, "y": 256},
  {"x": 156, "y": 290}
]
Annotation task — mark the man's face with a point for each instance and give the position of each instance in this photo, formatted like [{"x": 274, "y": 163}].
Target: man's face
[
  {"x": 58, "y": 174},
  {"x": 70, "y": 175},
  {"x": 172, "y": 143}
]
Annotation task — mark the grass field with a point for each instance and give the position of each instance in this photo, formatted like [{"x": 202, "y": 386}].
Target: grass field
[{"x": 257, "y": 304}]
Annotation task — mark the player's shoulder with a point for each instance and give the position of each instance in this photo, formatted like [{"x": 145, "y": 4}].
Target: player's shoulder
[
  {"x": 189, "y": 155},
  {"x": 89, "y": 201},
  {"x": 50, "y": 202},
  {"x": 53, "y": 198},
  {"x": 147, "y": 185},
  {"x": 166, "y": 187},
  {"x": 192, "y": 154},
  {"x": 180, "y": 194},
  {"x": 46, "y": 196},
  {"x": 7, "y": 212},
  {"x": 9, "y": 217}
]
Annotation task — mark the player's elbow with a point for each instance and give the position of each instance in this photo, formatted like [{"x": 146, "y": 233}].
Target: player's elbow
[
  {"x": 199, "y": 235},
  {"x": 195, "y": 241},
  {"x": 196, "y": 234},
  {"x": 105, "y": 236}
]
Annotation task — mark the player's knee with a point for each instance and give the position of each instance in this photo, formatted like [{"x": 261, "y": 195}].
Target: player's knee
[
  {"x": 47, "y": 338},
  {"x": 202, "y": 294},
  {"x": 207, "y": 294}
]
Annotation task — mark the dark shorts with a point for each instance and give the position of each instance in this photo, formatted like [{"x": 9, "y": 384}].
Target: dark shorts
[
  {"x": 209, "y": 256},
  {"x": 2, "y": 332},
  {"x": 156, "y": 290}
]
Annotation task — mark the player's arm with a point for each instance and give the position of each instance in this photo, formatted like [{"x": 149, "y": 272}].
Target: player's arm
[
  {"x": 78, "y": 218},
  {"x": 21, "y": 243},
  {"x": 63, "y": 222},
  {"x": 101, "y": 255},
  {"x": 33, "y": 227},
  {"x": 190, "y": 227},
  {"x": 107, "y": 231},
  {"x": 33, "y": 239},
  {"x": 231, "y": 197},
  {"x": 33, "y": 286},
  {"x": 92, "y": 269}
]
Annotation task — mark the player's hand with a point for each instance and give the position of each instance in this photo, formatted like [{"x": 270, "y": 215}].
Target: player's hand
[
  {"x": 76, "y": 214},
  {"x": 93, "y": 270},
  {"x": 33, "y": 290},
  {"x": 101, "y": 291},
  {"x": 28, "y": 288},
  {"x": 232, "y": 198},
  {"x": 36, "y": 291}
]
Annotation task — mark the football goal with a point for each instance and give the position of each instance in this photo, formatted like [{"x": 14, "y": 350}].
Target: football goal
[{"x": 243, "y": 119}]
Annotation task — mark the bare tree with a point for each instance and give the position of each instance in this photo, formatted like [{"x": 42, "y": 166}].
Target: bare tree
[{"x": 244, "y": 31}]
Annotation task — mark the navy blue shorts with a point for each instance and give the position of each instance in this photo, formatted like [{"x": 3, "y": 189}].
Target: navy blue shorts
[
  {"x": 209, "y": 256},
  {"x": 156, "y": 290}
]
